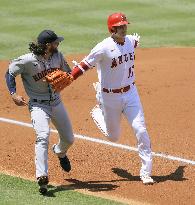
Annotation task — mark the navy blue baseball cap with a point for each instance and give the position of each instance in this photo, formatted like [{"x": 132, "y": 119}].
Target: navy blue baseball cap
[{"x": 48, "y": 36}]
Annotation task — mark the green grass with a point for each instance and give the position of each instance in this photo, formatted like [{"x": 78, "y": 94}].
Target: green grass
[
  {"x": 17, "y": 191},
  {"x": 83, "y": 22}
]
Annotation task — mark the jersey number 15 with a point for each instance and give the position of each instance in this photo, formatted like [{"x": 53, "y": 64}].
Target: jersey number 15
[{"x": 131, "y": 71}]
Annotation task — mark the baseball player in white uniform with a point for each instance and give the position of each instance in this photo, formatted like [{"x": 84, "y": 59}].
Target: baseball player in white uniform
[
  {"x": 44, "y": 104},
  {"x": 116, "y": 91}
]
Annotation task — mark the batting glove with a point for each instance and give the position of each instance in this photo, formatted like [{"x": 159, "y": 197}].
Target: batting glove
[{"x": 136, "y": 37}]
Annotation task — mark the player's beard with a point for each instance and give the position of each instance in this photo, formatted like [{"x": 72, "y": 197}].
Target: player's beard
[{"x": 53, "y": 50}]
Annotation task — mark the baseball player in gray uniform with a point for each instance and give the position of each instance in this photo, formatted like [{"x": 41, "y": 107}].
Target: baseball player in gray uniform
[{"x": 44, "y": 104}]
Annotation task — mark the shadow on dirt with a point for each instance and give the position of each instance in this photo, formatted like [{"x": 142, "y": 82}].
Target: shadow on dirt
[
  {"x": 177, "y": 175},
  {"x": 95, "y": 186},
  {"x": 75, "y": 184}
]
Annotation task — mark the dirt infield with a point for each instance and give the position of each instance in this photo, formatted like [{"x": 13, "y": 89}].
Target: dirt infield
[{"x": 165, "y": 80}]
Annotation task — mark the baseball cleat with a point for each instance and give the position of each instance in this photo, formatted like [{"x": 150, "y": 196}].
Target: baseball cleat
[
  {"x": 43, "y": 189},
  {"x": 42, "y": 182},
  {"x": 65, "y": 163},
  {"x": 147, "y": 180}
]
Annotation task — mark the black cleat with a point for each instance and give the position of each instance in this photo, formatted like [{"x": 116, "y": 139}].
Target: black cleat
[
  {"x": 43, "y": 189},
  {"x": 65, "y": 163},
  {"x": 42, "y": 182}
]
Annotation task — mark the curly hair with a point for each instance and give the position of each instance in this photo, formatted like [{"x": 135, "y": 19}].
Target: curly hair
[{"x": 37, "y": 48}]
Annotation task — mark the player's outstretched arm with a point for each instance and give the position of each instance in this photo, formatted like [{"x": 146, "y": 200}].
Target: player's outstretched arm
[
  {"x": 59, "y": 79},
  {"x": 79, "y": 69}
]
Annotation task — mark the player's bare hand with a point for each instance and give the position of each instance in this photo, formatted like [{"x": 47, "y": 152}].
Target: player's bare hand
[{"x": 19, "y": 100}]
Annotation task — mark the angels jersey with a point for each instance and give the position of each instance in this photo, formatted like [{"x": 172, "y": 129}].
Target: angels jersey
[{"x": 114, "y": 62}]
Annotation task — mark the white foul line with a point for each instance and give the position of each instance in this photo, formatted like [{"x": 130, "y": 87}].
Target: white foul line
[{"x": 126, "y": 147}]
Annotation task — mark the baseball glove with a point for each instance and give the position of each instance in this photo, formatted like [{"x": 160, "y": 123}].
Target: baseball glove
[{"x": 59, "y": 80}]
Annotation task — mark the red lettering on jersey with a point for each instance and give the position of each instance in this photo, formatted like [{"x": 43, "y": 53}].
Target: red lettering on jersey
[
  {"x": 131, "y": 56},
  {"x": 114, "y": 63},
  {"x": 120, "y": 58},
  {"x": 131, "y": 71},
  {"x": 126, "y": 58}
]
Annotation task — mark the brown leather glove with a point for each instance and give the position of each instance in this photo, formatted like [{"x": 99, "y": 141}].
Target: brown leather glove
[{"x": 59, "y": 79}]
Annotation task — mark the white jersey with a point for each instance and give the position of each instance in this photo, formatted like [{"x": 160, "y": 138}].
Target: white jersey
[
  {"x": 115, "y": 68},
  {"x": 114, "y": 62}
]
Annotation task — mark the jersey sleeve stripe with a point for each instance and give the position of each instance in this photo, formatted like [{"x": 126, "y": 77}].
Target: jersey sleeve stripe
[
  {"x": 79, "y": 70},
  {"x": 88, "y": 64}
]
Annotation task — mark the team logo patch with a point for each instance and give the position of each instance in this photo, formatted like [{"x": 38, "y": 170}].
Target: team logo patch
[{"x": 124, "y": 18}]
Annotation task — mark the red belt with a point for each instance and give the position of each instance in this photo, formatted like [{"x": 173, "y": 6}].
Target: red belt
[{"x": 120, "y": 90}]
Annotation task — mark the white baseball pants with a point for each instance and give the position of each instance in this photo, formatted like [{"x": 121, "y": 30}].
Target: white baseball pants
[{"x": 128, "y": 103}]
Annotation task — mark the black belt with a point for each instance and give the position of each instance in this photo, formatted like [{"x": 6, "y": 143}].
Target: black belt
[
  {"x": 120, "y": 90},
  {"x": 40, "y": 101}
]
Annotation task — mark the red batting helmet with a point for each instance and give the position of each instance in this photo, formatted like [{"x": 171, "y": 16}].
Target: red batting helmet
[{"x": 116, "y": 19}]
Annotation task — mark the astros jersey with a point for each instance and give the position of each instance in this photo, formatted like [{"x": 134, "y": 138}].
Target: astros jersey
[
  {"x": 114, "y": 62},
  {"x": 33, "y": 69}
]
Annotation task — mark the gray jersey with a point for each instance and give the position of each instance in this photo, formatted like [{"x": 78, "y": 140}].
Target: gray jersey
[{"x": 33, "y": 69}]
